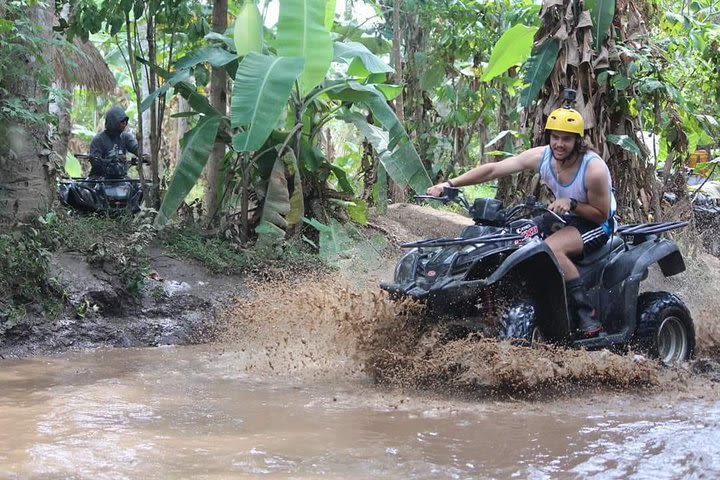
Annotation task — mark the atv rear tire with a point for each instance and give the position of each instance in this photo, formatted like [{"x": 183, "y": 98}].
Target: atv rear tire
[
  {"x": 518, "y": 322},
  {"x": 664, "y": 329}
]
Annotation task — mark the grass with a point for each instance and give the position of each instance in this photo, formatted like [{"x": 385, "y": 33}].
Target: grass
[{"x": 218, "y": 255}]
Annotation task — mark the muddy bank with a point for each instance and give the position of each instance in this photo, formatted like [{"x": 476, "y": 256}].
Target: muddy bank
[{"x": 176, "y": 306}]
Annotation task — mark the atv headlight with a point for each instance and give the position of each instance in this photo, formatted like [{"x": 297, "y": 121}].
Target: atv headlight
[{"x": 405, "y": 270}]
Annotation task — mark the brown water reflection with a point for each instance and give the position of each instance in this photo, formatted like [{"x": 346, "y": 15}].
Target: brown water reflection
[{"x": 192, "y": 412}]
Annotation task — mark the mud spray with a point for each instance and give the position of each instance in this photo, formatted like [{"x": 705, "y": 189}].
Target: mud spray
[{"x": 323, "y": 326}]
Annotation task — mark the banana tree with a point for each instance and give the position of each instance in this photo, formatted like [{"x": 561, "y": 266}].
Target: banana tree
[{"x": 281, "y": 98}]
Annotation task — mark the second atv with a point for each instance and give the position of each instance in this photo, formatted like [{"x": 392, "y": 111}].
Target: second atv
[
  {"x": 499, "y": 278},
  {"x": 108, "y": 189}
]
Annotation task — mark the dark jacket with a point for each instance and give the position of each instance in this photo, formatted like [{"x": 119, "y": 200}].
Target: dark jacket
[{"x": 105, "y": 142}]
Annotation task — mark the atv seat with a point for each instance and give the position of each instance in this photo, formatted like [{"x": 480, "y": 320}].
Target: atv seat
[{"x": 613, "y": 242}]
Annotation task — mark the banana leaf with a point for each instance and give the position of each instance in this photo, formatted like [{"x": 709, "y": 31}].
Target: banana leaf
[
  {"x": 72, "y": 166},
  {"x": 330, "y": 14},
  {"x": 538, "y": 69},
  {"x": 602, "y": 13},
  {"x": 334, "y": 240},
  {"x": 215, "y": 56},
  {"x": 261, "y": 91},
  {"x": 302, "y": 33},
  {"x": 171, "y": 81},
  {"x": 513, "y": 48},
  {"x": 277, "y": 198},
  {"x": 248, "y": 30},
  {"x": 349, "y": 51},
  {"x": 297, "y": 199},
  {"x": 198, "y": 143},
  {"x": 626, "y": 143},
  {"x": 402, "y": 164}
]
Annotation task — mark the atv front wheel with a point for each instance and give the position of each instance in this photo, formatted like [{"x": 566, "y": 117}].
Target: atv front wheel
[
  {"x": 665, "y": 329},
  {"x": 518, "y": 322}
]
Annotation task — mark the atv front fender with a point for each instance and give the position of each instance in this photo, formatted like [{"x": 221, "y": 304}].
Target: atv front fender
[{"x": 537, "y": 266}]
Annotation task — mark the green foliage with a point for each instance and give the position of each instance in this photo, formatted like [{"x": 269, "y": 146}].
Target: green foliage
[
  {"x": 262, "y": 88},
  {"x": 602, "y": 13},
  {"x": 334, "y": 239},
  {"x": 72, "y": 166},
  {"x": 25, "y": 280},
  {"x": 197, "y": 145},
  {"x": 248, "y": 30},
  {"x": 302, "y": 33},
  {"x": 22, "y": 60},
  {"x": 264, "y": 91},
  {"x": 513, "y": 48}
]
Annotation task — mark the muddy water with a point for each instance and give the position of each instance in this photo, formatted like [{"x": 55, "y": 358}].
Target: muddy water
[
  {"x": 317, "y": 379},
  {"x": 190, "y": 412}
]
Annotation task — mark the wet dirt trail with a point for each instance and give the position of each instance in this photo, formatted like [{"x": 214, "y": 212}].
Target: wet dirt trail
[{"x": 288, "y": 391}]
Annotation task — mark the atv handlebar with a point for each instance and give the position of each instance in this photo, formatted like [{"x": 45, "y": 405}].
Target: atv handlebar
[
  {"x": 133, "y": 161},
  {"x": 450, "y": 194},
  {"x": 455, "y": 195},
  {"x": 532, "y": 204}
]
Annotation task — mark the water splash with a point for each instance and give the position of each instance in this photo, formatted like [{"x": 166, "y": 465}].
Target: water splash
[{"x": 323, "y": 326}]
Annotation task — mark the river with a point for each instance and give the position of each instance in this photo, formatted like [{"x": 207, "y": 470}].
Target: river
[
  {"x": 285, "y": 390},
  {"x": 194, "y": 412}
]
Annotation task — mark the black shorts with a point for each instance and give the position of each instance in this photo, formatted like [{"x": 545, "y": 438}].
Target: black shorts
[{"x": 593, "y": 235}]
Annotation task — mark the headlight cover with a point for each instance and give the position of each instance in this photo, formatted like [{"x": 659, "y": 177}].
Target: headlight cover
[{"x": 405, "y": 269}]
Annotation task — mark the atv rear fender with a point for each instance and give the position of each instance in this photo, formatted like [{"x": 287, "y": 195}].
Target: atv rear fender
[
  {"x": 633, "y": 263},
  {"x": 537, "y": 265},
  {"x": 625, "y": 272}
]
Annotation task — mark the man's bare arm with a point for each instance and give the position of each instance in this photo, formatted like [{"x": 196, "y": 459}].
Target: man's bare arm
[{"x": 529, "y": 159}]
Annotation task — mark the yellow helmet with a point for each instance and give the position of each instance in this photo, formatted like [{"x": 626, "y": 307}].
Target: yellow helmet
[{"x": 566, "y": 120}]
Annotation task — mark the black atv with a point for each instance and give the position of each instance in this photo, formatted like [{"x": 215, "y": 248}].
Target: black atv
[
  {"x": 499, "y": 278},
  {"x": 107, "y": 189}
]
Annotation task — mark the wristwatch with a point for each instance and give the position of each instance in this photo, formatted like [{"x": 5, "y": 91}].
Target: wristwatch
[{"x": 573, "y": 204}]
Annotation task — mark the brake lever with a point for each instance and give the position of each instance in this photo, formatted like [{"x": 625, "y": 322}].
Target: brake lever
[{"x": 562, "y": 220}]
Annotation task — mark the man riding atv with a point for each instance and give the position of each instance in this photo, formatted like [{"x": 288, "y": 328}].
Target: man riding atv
[
  {"x": 112, "y": 143},
  {"x": 582, "y": 186}
]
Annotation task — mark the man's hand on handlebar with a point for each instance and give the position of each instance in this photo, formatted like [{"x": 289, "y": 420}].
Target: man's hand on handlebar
[
  {"x": 561, "y": 206},
  {"x": 437, "y": 190}
]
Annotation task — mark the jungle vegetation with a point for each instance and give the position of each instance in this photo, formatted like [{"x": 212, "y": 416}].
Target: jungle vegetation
[{"x": 290, "y": 119}]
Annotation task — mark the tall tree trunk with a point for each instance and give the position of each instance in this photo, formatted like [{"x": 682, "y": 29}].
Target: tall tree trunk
[
  {"x": 61, "y": 110},
  {"x": 25, "y": 178},
  {"x": 218, "y": 99}
]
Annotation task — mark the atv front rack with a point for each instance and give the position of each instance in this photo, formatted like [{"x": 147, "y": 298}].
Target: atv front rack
[
  {"x": 649, "y": 228},
  {"x": 445, "y": 242},
  {"x": 107, "y": 180}
]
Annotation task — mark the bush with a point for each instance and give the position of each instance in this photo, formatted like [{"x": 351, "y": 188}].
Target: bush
[{"x": 25, "y": 278}]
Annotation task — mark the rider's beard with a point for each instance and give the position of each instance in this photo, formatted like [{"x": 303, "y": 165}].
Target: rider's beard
[{"x": 565, "y": 155}]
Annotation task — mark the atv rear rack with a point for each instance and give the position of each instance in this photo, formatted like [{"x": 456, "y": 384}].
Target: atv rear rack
[
  {"x": 649, "y": 228},
  {"x": 445, "y": 242}
]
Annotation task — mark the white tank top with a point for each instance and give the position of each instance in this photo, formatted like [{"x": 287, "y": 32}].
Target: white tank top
[{"x": 576, "y": 188}]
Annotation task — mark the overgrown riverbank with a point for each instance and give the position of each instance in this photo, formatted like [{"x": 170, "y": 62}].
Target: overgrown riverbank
[{"x": 69, "y": 282}]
